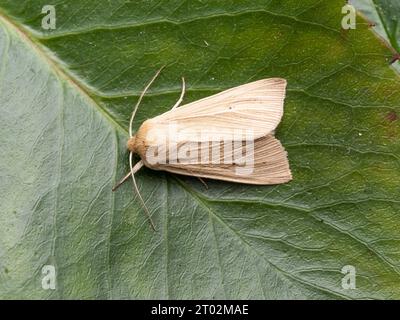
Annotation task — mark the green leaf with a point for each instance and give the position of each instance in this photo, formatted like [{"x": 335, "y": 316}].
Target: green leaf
[
  {"x": 66, "y": 96},
  {"x": 383, "y": 15}
]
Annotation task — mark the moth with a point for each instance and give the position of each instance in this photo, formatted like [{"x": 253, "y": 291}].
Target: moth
[{"x": 228, "y": 136}]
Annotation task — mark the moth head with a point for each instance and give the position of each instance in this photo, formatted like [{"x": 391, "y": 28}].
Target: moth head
[{"x": 131, "y": 144}]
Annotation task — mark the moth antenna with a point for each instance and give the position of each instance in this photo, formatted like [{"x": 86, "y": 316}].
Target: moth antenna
[
  {"x": 140, "y": 99},
  {"x": 138, "y": 193},
  {"x": 182, "y": 95}
]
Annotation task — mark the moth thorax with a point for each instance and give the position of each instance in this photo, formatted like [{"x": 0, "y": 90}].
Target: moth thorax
[{"x": 131, "y": 144}]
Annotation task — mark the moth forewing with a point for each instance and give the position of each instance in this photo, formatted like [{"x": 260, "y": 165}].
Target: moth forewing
[{"x": 257, "y": 105}]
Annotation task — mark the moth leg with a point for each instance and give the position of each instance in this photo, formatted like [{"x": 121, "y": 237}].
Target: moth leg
[
  {"x": 200, "y": 179},
  {"x": 136, "y": 168},
  {"x": 182, "y": 95},
  {"x": 203, "y": 182}
]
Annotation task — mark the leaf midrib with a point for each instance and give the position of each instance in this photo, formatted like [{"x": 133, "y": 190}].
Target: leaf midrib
[
  {"x": 56, "y": 67},
  {"x": 248, "y": 247}
]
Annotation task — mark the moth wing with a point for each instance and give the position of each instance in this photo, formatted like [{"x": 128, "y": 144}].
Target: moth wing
[
  {"x": 257, "y": 106},
  {"x": 270, "y": 165}
]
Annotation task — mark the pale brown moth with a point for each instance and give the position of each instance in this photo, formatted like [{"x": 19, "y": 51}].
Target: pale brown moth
[{"x": 255, "y": 107}]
